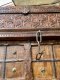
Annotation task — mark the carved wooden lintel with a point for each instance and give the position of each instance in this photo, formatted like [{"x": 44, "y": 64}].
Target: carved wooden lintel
[
  {"x": 18, "y": 23},
  {"x": 31, "y": 9}
]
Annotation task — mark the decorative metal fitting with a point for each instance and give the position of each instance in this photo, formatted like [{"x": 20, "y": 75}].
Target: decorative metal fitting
[
  {"x": 15, "y": 53},
  {"x": 39, "y": 40},
  {"x": 25, "y": 10},
  {"x": 39, "y": 37},
  {"x": 14, "y": 70},
  {"x": 43, "y": 70}
]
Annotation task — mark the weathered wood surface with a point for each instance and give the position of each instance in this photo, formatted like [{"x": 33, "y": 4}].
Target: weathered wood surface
[
  {"x": 28, "y": 61},
  {"x": 47, "y": 66},
  {"x": 24, "y": 21},
  {"x": 23, "y": 68},
  {"x": 37, "y": 9},
  {"x": 28, "y": 34},
  {"x": 31, "y": 21},
  {"x": 56, "y": 50}
]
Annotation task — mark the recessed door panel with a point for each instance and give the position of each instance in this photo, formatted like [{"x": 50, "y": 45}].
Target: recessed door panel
[
  {"x": 43, "y": 67},
  {"x": 15, "y": 70},
  {"x": 15, "y": 52},
  {"x": 45, "y": 49},
  {"x": 42, "y": 70},
  {"x": 15, "y": 66},
  {"x": 17, "y": 62},
  {"x": 56, "y": 49}
]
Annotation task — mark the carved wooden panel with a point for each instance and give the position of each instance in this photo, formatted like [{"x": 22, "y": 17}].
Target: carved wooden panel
[
  {"x": 14, "y": 18},
  {"x": 20, "y": 21},
  {"x": 31, "y": 21}
]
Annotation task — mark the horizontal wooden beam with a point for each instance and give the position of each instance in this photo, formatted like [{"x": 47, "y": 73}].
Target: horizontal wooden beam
[
  {"x": 11, "y": 60},
  {"x": 27, "y": 34},
  {"x": 16, "y": 26},
  {"x": 30, "y": 9}
]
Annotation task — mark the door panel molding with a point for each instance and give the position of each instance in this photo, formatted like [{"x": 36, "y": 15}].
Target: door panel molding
[{"x": 21, "y": 62}]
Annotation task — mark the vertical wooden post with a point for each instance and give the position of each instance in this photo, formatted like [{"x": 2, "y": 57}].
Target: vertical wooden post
[{"x": 28, "y": 75}]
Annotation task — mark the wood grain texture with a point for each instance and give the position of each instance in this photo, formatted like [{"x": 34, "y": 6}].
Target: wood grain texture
[
  {"x": 47, "y": 66},
  {"x": 28, "y": 60},
  {"x": 22, "y": 68},
  {"x": 15, "y": 52},
  {"x": 38, "y": 66}
]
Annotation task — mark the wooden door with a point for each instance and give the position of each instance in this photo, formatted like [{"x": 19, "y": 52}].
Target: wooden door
[
  {"x": 48, "y": 66},
  {"x": 15, "y": 62},
  {"x": 15, "y": 69},
  {"x": 18, "y": 62}
]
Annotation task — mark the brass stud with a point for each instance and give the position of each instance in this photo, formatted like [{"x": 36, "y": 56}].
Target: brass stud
[
  {"x": 14, "y": 53},
  {"x": 14, "y": 69},
  {"x": 43, "y": 70}
]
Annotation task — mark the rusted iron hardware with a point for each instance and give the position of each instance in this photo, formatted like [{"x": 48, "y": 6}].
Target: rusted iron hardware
[{"x": 39, "y": 40}]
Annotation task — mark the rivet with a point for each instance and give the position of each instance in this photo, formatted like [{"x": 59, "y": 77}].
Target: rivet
[{"x": 14, "y": 69}]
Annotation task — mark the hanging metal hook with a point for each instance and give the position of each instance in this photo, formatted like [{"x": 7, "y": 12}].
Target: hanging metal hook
[
  {"x": 39, "y": 37},
  {"x": 39, "y": 40}
]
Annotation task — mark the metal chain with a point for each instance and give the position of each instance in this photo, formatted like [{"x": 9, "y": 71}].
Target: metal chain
[
  {"x": 38, "y": 35},
  {"x": 39, "y": 40}
]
